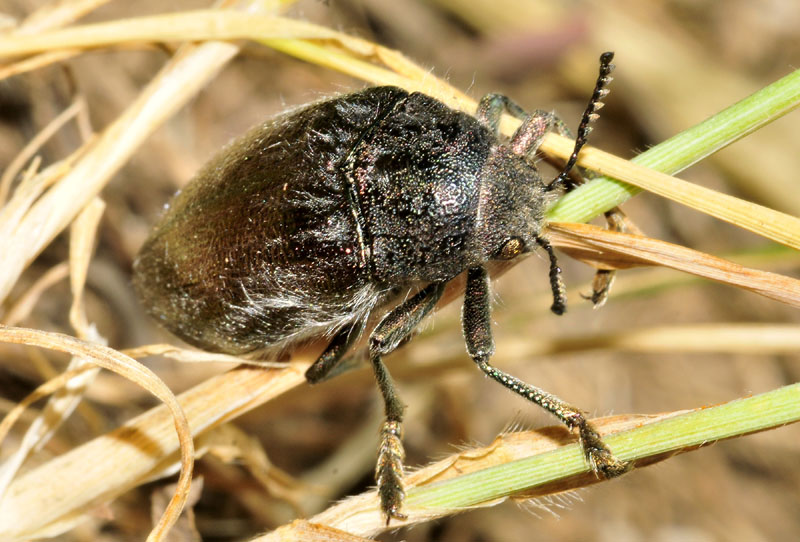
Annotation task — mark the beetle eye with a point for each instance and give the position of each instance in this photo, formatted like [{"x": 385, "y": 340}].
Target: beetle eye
[{"x": 512, "y": 248}]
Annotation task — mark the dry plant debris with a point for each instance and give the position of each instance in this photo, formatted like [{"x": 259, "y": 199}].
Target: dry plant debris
[{"x": 52, "y": 181}]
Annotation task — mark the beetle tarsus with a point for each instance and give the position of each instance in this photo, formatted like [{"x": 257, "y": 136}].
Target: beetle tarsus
[
  {"x": 602, "y": 460},
  {"x": 559, "y": 305},
  {"x": 601, "y": 286},
  {"x": 389, "y": 471}
]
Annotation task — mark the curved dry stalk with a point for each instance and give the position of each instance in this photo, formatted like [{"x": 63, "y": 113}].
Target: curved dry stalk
[
  {"x": 66, "y": 399},
  {"x": 615, "y": 250},
  {"x": 145, "y": 445},
  {"x": 112, "y": 360}
]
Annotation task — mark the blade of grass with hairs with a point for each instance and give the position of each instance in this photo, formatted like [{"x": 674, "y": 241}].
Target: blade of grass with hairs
[{"x": 535, "y": 463}]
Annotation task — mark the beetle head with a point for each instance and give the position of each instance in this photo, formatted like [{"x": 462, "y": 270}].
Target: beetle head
[{"x": 512, "y": 204}]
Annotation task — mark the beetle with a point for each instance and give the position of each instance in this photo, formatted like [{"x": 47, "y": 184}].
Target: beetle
[{"x": 309, "y": 223}]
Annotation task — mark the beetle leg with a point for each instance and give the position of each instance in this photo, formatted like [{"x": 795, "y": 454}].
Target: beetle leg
[
  {"x": 385, "y": 338},
  {"x": 529, "y": 135},
  {"x": 491, "y": 108},
  {"x": 476, "y": 322},
  {"x": 604, "y": 278},
  {"x": 334, "y": 353}
]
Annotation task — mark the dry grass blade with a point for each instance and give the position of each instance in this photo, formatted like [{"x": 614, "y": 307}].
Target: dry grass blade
[
  {"x": 58, "y": 14},
  {"x": 761, "y": 339},
  {"x": 36, "y": 62},
  {"x": 11, "y": 526},
  {"x": 188, "y": 355},
  {"x": 757, "y": 339},
  {"x": 43, "y": 390},
  {"x": 35, "y": 144},
  {"x": 756, "y": 218},
  {"x": 308, "y": 531},
  {"x": 177, "y": 82},
  {"x": 26, "y": 303},
  {"x": 616, "y": 250},
  {"x": 188, "y": 26},
  {"x": 82, "y": 240}
]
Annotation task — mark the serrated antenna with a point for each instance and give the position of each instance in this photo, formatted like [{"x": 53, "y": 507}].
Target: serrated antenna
[{"x": 589, "y": 116}]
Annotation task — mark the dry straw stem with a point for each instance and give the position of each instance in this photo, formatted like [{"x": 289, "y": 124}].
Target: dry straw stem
[
  {"x": 57, "y": 14},
  {"x": 35, "y": 144},
  {"x": 615, "y": 250},
  {"x": 757, "y": 339},
  {"x": 27, "y": 302},
  {"x": 196, "y": 356}
]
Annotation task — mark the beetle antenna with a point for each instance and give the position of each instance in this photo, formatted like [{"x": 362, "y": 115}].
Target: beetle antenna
[{"x": 589, "y": 116}]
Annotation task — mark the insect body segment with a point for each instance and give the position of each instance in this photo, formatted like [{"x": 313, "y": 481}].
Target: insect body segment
[{"x": 311, "y": 222}]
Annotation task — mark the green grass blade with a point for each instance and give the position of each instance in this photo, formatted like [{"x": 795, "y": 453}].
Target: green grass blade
[
  {"x": 682, "y": 432},
  {"x": 684, "y": 149}
]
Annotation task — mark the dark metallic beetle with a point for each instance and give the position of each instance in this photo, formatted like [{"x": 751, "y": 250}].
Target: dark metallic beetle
[{"x": 308, "y": 223}]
